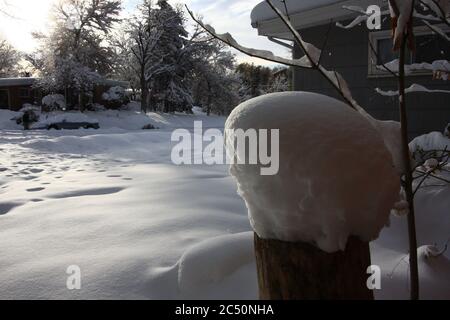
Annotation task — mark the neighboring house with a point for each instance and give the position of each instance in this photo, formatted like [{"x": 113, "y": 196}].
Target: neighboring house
[
  {"x": 15, "y": 92},
  {"x": 348, "y": 52}
]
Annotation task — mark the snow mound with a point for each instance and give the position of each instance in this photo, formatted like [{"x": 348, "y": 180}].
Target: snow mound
[
  {"x": 336, "y": 176},
  {"x": 213, "y": 261}
]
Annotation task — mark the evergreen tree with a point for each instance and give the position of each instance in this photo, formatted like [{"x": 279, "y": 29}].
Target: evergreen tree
[
  {"x": 214, "y": 84},
  {"x": 169, "y": 91}
]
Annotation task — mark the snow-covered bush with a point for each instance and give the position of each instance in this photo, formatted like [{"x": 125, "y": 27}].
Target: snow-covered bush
[
  {"x": 53, "y": 102},
  {"x": 115, "y": 97},
  {"x": 27, "y": 106},
  {"x": 336, "y": 177},
  {"x": 32, "y": 111},
  {"x": 447, "y": 131}
]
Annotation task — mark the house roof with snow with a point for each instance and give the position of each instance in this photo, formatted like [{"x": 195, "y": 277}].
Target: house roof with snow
[
  {"x": 17, "y": 82},
  {"x": 303, "y": 14}
]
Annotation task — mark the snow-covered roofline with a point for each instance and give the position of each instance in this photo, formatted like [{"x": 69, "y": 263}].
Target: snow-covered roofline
[
  {"x": 10, "y": 82},
  {"x": 303, "y": 14}
]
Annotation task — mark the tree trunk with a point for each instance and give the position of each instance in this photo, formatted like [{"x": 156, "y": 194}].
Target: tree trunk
[
  {"x": 408, "y": 183},
  {"x": 300, "y": 271},
  {"x": 208, "y": 107},
  {"x": 144, "y": 94}
]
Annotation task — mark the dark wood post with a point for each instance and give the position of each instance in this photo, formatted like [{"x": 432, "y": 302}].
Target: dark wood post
[{"x": 300, "y": 271}]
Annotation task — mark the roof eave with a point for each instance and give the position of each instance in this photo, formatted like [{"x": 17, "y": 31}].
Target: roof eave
[{"x": 310, "y": 18}]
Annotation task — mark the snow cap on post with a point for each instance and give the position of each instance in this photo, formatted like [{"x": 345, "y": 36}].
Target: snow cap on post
[{"x": 336, "y": 177}]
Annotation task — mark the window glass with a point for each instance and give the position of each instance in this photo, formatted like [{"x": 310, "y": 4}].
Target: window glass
[{"x": 387, "y": 54}]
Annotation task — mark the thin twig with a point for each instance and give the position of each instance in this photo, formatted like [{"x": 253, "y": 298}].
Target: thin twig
[{"x": 325, "y": 42}]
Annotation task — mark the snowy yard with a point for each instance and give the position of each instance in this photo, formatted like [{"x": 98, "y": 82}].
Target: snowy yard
[{"x": 111, "y": 202}]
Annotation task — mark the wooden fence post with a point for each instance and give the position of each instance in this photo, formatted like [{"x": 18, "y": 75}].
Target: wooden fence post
[{"x": 300, "y": 271}]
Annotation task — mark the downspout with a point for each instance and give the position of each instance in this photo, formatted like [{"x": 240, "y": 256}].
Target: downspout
[{"x": 296, "y": 54}]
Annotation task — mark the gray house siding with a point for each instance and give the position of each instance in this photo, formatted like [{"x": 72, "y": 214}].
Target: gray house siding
[{"x": 347, "y": 51}]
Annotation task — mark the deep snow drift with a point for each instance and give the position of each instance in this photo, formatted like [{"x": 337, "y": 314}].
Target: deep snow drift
[{"x": 111, "y": 202}]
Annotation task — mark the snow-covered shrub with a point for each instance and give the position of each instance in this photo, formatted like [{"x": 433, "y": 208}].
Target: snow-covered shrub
[
  {"x": 28, "y": 106},
  {"x": 53, "y": 102},
  {"x": 115, "y": 97},
  {"x": 32, "y": 111},
  {"x": 447, "y": 131},
  {"x": 336, "y": 177}
]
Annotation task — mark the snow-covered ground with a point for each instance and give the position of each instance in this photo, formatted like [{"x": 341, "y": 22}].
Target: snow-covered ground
[{"x": 111, "y": 202}]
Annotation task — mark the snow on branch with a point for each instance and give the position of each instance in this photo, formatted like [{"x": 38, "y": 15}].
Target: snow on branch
[
  {"x": 440, "y": 8},
  {"x": 262, "y": 54},
  {"x": 413, "y": 88},
  {"x": 438, "y": 67},
  {"x": 355, "y": 22},
  {"x": 363, "y": 16}
]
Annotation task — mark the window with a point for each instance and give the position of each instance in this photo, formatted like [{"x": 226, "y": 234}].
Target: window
[
  {"x": 429, "y": 47},
  {"x": 24, "y": 92}
]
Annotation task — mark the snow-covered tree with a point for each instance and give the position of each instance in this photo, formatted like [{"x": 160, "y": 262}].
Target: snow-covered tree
[
  {"x": 255, "y": 79},
  {"x": 259, "y": 80},
  {"x": 281, "y": 79},
  {"x": 141, "y": 62},
  {"x": 76, "y": 52},
  {"x": 213, "y": 83},
  {"x": 169, "y": 90},
  {"x": 9, "y": 59}
]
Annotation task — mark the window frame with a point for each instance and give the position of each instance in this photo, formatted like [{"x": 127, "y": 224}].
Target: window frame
[{"x": 374, "y": 37}]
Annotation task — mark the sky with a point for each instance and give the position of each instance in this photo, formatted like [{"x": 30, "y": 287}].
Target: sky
[{"x": 225, "y": 15}]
